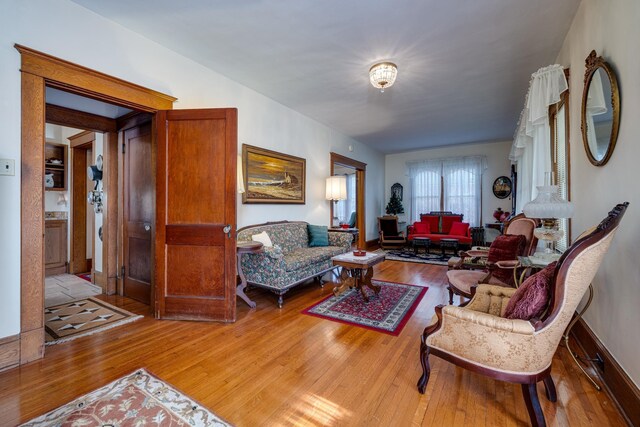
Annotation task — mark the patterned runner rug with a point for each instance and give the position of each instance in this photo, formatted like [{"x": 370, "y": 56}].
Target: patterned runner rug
[
  {"x": 407, "y": 255},
  {"x": 71, "y": 320},
  {"x": 388, "y": 312},
  {"x": 137, "y": 399},
  {"x": 85, "y": 276}
]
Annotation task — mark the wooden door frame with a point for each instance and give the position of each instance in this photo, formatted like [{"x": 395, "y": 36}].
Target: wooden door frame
[
  {"x": 78, "y": 235},
  {"x": 39, "y": 70},
  {"x": 361, "y": 170}
]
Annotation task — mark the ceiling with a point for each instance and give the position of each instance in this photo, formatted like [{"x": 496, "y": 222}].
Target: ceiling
[
  {"x": 81, "y": 103},
  {"x": 463, "y": 66}
]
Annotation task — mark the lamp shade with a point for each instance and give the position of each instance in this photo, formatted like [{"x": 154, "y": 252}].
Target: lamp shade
[
  {"x": 336, "y": 187},
  {"x": 548, "y": 204}
]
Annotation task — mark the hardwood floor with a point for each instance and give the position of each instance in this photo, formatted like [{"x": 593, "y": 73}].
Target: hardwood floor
[{"x": 280, "y": 367}]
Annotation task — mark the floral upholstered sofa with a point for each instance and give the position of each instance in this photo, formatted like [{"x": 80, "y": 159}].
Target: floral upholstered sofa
[{"x": 290, "y": 261}]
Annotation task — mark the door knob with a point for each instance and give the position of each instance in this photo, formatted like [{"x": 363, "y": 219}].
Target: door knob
[
  {"x": 227, "y": 230},
  {"x": 147, "y": 227}
]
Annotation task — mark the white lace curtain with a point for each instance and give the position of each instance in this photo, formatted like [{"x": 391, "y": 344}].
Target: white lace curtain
[
  {"x": 454, "y": 184},
  {"x": 344, "y": 208},
  {"x": 531, "y": 150}
]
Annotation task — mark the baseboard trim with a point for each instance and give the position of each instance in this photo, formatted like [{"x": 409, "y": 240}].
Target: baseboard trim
[
  {"x": 9, "y": 352},
  {"x": 610, "y": 373},
  {"x": 372, "y": 244}
]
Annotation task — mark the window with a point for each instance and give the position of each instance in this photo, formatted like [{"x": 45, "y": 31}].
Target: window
[
  {"x": 558, "y": 121},
  {"x": 447, "y": 184}
]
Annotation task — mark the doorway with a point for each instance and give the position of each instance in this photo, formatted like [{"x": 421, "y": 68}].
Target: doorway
[
  {"x": 351, "y": 211},
  {"x": 194, "y": 245}
]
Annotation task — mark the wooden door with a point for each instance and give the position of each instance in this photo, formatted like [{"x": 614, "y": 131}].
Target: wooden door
[
  {"x": 138, "y": 210},
  {"x": 195, "y": 242}
]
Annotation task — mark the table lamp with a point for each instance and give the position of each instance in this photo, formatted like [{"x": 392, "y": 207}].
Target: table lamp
[
  {"x": 548, "y": 206},
  {"x": 336, "y": 190}
]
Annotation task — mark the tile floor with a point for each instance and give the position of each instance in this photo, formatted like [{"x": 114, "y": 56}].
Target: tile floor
[{"x": 63, "y": 288}]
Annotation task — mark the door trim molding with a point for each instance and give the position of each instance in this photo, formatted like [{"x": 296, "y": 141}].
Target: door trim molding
[
  {"x": 37, "y": 71},
  {"x": 361, "y": 170}
]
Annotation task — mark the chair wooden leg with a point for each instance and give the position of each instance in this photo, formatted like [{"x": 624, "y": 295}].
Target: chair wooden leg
[
  {"x": 550, "y": 389},
  {"x": 426, "y": 368},
  {"x": 530, "y": 394},
  {"x": 450, "y": 295}
]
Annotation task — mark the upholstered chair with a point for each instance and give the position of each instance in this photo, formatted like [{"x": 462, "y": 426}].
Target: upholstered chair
[
  {"x": 390, "y": 237},
  {"x": 472, "y": 267},
  {"x": 477, "y": 338}
]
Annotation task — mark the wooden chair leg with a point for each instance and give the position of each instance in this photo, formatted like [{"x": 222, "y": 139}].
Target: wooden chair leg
[
  {"x": 426, "y": 368},
  {"x": 530, "y": 394},
  {"x": 450, "y": 295},
  {"x": 550, "y": 389}
]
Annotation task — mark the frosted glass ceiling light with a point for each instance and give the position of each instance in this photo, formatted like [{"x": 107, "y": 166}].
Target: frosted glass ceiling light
[{"x": 383, "y": 75}]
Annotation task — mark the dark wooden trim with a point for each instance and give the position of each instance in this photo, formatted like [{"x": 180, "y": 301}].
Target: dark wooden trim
[
  {"x": 81, "y": 139},
  {"x": 39, "y": 69},
  {"x": 78, "y": 119},
  {"x": 9, "y": 352},
  {"x": 110, "y": 212},
  {"x": 346, "y": 161},
  {"x": 78, "y": 206},
  {"x": 361, "y": 178},
  {"x": 84, "y": 81},
  {"x": 32, "y": 217},
  {"x": 372, "y": 245},
  {"x": 133, "y": 119},
  {"x": 622, "y": 389}
]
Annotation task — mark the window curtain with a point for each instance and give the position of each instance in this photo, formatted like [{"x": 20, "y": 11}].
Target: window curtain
[
  {"x": 462, "y": 192},
  {"x": 425, "y": 180},
  {"x": 531, "y": 150},
  {"x": 344, "y": 208}
]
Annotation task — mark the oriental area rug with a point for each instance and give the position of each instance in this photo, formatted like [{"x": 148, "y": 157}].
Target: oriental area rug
[
  {"x": 138, "y": 399},
  {"x": 408, "y": 255},
  {"x": 71, "y": 320},
  {"x": 388, "y": 312}
]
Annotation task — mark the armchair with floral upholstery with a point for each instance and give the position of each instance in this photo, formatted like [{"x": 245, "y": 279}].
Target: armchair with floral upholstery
[{"x": 477, "y": 337}]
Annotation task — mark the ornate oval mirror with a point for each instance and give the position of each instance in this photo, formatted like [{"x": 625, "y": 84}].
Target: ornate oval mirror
[{"x": 600, "y": 110}]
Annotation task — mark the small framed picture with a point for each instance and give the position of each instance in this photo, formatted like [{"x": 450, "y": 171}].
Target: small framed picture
[
  {"x": 397, "y": 190},
  {"x": 502, "y": 187}
]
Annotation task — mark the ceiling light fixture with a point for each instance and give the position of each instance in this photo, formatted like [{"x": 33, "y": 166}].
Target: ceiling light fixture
[{"x": 383, "y": 75}]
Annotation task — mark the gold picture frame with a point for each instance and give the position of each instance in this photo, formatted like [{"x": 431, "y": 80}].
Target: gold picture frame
[{"x": 272, "y": 177}]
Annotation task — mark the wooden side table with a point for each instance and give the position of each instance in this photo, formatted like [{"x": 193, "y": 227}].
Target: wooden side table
[
  {"x": 241, "y": 249},
  {"x": 357, "y": 272},
  {"x": 452, "y": 244}
]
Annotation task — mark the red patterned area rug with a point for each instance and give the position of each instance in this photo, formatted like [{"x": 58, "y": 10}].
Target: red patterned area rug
[
  {"x": 388, "y": 312},
  {"x": 85, "y": 276},
  {"x": 137, "y": 399}
]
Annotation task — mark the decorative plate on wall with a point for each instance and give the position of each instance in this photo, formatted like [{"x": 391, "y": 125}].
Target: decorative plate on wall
[{"x": 502, "y": 187}]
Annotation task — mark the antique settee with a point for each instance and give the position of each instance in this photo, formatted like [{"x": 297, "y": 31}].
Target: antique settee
[
  {"x": 441, "y": 225},
  {"x": 290, "y": 261}
]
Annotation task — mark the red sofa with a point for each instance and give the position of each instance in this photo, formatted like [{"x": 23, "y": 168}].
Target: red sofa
[{"x": 441, "y": 225}]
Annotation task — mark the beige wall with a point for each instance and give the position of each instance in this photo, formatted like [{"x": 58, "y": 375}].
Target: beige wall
[
  {"x": 612, "y": 29},
  {"x": 498, "y": 164}
]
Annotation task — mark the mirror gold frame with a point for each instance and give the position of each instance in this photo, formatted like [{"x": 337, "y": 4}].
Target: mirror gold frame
[{"x": 592, "y": 64}]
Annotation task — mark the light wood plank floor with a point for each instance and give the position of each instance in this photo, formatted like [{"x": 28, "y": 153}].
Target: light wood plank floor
[{"x": 282, "y": 368}]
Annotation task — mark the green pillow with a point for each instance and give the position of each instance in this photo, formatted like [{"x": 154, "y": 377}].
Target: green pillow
[{"x": 318, "y": 235}]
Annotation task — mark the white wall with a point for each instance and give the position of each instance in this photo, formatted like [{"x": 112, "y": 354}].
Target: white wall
[
  {"x": 611, "y": 28},
  {"x": 85, "y": 38},
  {"x": 498, "y": 164}
]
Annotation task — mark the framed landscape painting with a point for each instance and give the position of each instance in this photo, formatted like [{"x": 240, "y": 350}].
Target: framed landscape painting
[{"x": 272, "y": 177}]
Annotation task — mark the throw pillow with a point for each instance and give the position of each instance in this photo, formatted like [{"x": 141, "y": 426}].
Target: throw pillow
[
  {"x": 506, "y": 248},
  {"x": 421, "y": 227},
  {"x": 263, "y": 238},
  {"x": 318, "y": 235},
  {"x": 532, "y": 297},
  {"x": 459, "y": 229}
]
